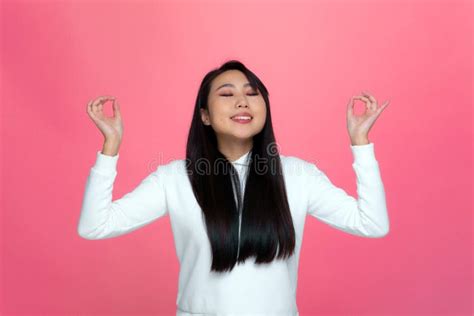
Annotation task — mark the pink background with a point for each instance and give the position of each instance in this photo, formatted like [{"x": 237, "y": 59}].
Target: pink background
[{"x": 314, "y": 55}]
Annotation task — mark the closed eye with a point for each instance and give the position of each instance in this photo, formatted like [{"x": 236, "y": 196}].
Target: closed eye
[{"x": 229, "y": 95}]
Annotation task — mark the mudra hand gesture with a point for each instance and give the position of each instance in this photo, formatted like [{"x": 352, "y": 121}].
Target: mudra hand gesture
[
  {"x": 110, "y": 127},
  {"x": 359, "y": 126}
]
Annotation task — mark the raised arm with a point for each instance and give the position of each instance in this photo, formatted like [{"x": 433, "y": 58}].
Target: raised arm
[
  {"x": 100, "y": 216},
  {"x": 365, "y": 216},
  {"x": 103, "y": 218}
]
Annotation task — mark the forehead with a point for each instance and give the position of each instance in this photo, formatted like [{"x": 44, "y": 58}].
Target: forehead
[{"x": 230, "y": 76}]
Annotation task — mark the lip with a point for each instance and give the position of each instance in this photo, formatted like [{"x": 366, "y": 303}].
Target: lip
[{"x": 242, "y": 114}]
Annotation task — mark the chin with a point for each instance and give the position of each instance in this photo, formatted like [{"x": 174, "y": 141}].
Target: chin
[{"x": 243, "y": 135}]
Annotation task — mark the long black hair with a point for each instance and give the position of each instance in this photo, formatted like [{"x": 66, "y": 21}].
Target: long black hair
[{"x": 267, "y": 229}]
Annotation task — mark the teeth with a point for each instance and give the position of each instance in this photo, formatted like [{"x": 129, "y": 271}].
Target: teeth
[{"x": 242, "y": 117}]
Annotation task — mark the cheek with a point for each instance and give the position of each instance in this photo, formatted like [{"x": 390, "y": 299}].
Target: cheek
[
  {"x": 262, "y": 119},
  {"x": 221, "y": 120},
  {"x": 262, "y": 111},
  {"x": 218, "y": 116}
]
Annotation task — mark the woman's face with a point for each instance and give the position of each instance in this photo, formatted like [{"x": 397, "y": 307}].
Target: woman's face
[{"x": 229, "y": 95}]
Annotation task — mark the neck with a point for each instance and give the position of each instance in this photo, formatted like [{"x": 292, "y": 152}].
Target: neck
[{"x": 233, "y": 150}]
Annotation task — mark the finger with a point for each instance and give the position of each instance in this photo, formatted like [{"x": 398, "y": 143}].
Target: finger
[
  {"x": 371, "y": 98},
  {"x": 372, "y": 105},
  {"x": 383, "y": 106},
  {"x": 89, "y": 108},
  {"x": 105, "y": 98},
  {"x": 368, "y": 103},
  {"x": 116, "y": 108},
  {"x": 373, "y": 102},
  {"x": 96, "y": 105},
  {"x": 350, "y": 107},
  {"x": 91, "y": 113},
  {"x": 101, "y": 100}
]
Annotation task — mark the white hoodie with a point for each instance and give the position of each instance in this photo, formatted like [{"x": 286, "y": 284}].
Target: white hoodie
[{"x": 249, "y": 289}]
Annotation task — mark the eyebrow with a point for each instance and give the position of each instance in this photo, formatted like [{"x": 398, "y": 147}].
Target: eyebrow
[{"x": 230, "y": 85}]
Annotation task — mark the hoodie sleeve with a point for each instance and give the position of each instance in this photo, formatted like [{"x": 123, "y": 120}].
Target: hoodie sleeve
[
  {"x": 102, "y": 218},
  {"x": 365, "y": 216}
]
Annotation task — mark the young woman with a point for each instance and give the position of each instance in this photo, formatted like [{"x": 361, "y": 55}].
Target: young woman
[{"x": 237, "y": 207}]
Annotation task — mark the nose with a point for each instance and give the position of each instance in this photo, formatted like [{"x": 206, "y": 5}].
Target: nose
[{"x": 242, "y": 103}]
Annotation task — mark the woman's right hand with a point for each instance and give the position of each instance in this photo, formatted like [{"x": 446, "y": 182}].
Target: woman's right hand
[{"x": 110, "y": 127}]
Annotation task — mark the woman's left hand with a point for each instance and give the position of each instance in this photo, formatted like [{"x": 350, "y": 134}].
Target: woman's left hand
[{"x": 359, "y": 126}]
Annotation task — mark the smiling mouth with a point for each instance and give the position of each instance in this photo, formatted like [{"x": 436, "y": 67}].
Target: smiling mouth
[
  {"x": 241, "y": 119},
  {"x": 238, "y": 117}
]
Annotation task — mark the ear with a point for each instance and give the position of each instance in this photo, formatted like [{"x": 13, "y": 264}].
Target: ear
[{"x": 205, "y": 117}]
